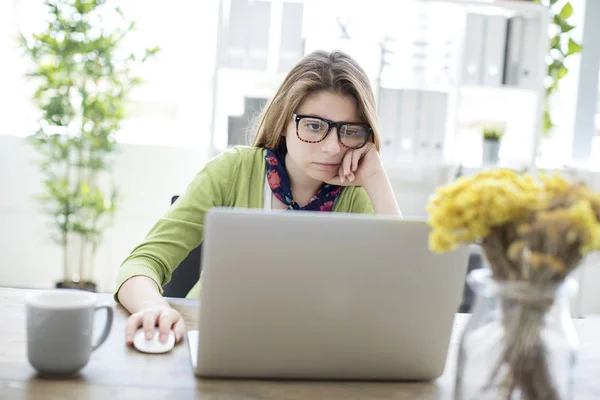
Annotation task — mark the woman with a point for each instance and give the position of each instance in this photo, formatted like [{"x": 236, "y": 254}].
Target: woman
[{"x": 316, "y": 149}]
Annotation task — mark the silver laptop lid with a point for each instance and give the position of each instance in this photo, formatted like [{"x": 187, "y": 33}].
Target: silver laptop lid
[{"x": 324, "y": 295}]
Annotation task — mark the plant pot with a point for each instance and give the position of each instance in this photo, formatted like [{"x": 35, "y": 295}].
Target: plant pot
[
  {"x": 491, "y": 150},
  {"x": 78, "y": 259},
  {"x": 520, "y": 342},
  {"x": 85, "y": 285}
]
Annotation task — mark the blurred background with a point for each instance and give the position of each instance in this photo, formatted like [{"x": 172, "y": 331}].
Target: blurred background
[{"x": 109, "y": 108}]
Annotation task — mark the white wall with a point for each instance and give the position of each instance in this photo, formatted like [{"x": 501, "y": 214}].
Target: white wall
[{"x": 147, "y": 177}]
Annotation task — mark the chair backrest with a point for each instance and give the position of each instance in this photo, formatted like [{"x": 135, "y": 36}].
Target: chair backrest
[
  {"x": 186, "y": 274},
  {"x": 475, "y": 262}
]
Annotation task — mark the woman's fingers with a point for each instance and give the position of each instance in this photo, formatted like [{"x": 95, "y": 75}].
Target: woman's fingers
[
  {"x": 347, "y": 163},
  {"x": 166, "y": 320},
  {"x": 355, "y": 158},
  {"x": 149, "y": 322},
  {"x": 133, "y": 323},
  {"x": 179, "y": 329}
]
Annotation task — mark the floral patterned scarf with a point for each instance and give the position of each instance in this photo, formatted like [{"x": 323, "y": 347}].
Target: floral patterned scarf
[{"x": 279, "y": 182}]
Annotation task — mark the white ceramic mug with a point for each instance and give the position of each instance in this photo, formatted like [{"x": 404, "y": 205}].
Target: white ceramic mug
[{"x": 60, "y": 324}]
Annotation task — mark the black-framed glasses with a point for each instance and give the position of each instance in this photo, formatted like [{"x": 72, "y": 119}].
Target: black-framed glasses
[{"x": 313, "y": 129}]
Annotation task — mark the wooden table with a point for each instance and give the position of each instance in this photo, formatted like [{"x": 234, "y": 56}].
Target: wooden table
[{"x": 117, "y": 371}]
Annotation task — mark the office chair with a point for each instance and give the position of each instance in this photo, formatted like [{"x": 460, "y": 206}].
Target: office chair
[{"x": 186, "y": 274}]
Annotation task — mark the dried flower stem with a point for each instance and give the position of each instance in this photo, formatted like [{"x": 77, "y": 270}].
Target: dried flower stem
[
  {"x": 494, "y": 247},
  {"x": 525, "y": 357}
]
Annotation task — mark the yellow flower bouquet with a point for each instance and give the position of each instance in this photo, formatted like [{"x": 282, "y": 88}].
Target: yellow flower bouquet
[{"x": 533, "y": 231}]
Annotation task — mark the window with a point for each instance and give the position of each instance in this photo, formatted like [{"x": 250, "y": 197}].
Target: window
[
  {"x": 595, "y": 153},
  {"x": 172, "y": 108}
]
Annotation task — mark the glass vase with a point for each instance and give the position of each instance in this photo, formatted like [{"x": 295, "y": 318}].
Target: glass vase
[{"x": 520, "y": 341}]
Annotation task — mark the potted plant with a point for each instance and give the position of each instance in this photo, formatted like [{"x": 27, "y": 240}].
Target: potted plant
[
  {"x": 83, "y": 78},
  {"x": 520, "y": 341},
  {"x": 491, "y": 144}
]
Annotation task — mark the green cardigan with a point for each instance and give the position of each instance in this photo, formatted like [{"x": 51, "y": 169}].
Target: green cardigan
[{"x": 235, "y": 178}]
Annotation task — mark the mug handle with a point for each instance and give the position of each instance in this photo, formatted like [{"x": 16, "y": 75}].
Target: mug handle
[{"x": 107, "y": 326}]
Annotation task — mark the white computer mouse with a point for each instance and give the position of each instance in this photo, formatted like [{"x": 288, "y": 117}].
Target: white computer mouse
[{"x": 153, "y": 345}]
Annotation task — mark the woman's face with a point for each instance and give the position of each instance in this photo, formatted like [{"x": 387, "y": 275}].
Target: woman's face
[{"x": 320, "y": 161}]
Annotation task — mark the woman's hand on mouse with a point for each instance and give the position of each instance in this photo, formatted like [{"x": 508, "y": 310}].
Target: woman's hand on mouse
[
  {"x": 358, "y": 166},
  {"x": 166, "y": 318}
]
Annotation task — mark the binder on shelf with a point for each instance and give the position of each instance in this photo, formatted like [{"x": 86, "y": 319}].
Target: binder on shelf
[
  {"x": 413, "y": 123},
  {"x": 246, "y": 43},
  {"x": 437, "y": 110},
  {"x": 494, "y": 49},
  {"x": 522, "y": 41},
  {"x": 514, "y": 51},
  {"x": 473, "y": 49},
  {"x": 532, "y": 40},
  {"x": 426, "y": 116},
  {"x": 291, "y": 48},
  {"x": 432, "y": 125},
  {"x": 408, "y": 138},
  {"x": 388, "y": 121}
]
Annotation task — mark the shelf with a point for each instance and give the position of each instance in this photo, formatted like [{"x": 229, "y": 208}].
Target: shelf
[
  {"x": 423, "y": 88},
  {"x": 507, "y": 8},
  {"x": 430, "y": 91},
  {"x": 505, "y": 90}
]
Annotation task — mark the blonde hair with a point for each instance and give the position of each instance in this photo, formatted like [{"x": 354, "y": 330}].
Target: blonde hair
[{"x": 336, "y": 72}]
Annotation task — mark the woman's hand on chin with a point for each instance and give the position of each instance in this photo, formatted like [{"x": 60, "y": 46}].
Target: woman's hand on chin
[{"x": 358, "y": 167}]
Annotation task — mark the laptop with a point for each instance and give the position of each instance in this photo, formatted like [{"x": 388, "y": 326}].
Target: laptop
[{"x": 323, "y": 296}]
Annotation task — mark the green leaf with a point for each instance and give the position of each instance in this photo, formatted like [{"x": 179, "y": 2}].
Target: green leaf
[
  {"x": 554, "y": 68},
  {"x": 563, "y": 24},
  {"x": 132, "y": 27},
  {"x": 557, "y": 70},
  {"x": 555, "y": 42},
  {"x": 548, "y": 124},
  {"x": 151, "y": 53},
  {"x": 562, "y": 71},
  {"x": 154, "y": 50},
  {"x": 551, "y": 89},
  {"x": 573, "y": 47},
  {"x": 566, "y": 11}
]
